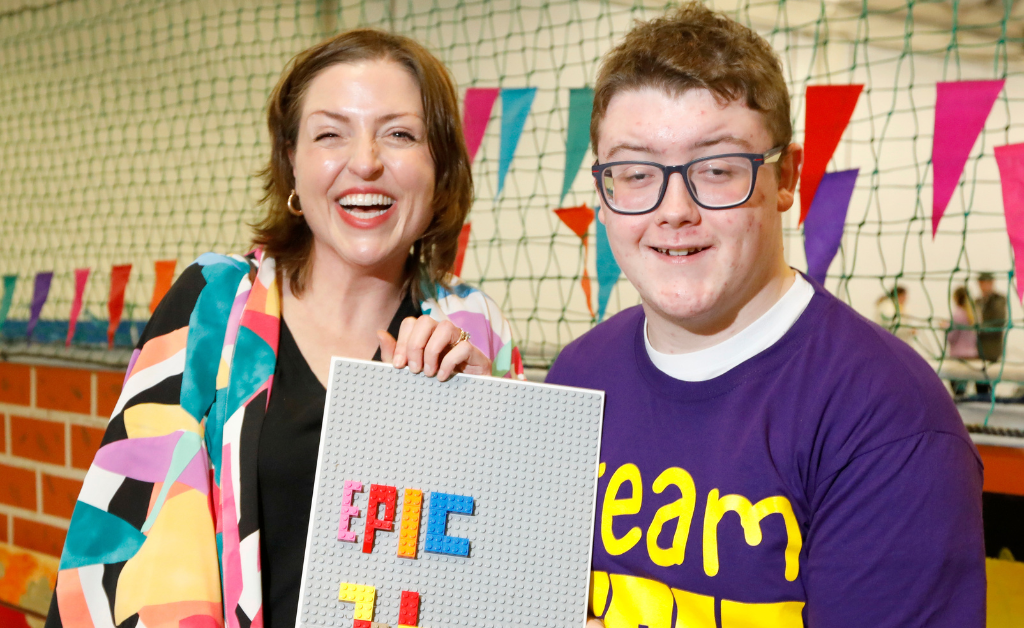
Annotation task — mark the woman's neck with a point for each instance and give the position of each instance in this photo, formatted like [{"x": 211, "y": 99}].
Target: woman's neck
[{"x": 340, "y": 310}]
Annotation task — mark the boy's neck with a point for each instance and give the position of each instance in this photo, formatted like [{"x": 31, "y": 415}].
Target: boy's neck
[{"x": 673, "y": 336}]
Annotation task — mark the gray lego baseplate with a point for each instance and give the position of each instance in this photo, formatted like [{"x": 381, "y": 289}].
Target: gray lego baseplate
[{"x": 507, "y": 472}]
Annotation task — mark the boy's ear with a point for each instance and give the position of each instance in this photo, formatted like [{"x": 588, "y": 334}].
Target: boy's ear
[{"x": 789, "y": 175}]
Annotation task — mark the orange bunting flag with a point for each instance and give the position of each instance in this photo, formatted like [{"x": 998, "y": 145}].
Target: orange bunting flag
[
  {"x": 578, "y": 219},
  {"x": 460, "y": 256},
  {"x": 164, "y": 278}
]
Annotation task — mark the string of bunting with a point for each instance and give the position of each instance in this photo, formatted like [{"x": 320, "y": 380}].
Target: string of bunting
[{"x": 961, "y": 110}]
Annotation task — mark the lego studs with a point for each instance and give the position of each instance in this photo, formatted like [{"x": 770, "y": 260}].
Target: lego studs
[{"x": 409, "y": 533}]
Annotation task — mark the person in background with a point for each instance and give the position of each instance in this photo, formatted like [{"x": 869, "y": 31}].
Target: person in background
[
  {"x": 197, "y": 503},
  {"x": 991, "y": 306},
  {"x": 962, "y": 337},
  {"x": 769, "y": 457},
  {"x": 891, "y": 313}
]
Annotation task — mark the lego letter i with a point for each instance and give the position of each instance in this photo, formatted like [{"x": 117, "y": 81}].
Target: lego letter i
[
  {"x": 438, "y": 542},
  {"x": 348, "y": 510},
  {"x": 409, "y": 533},
  {"x": 379, "y": 495}
]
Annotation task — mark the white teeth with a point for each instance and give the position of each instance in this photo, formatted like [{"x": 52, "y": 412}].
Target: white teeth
[
  {"x": 680, "y": 252},
  {"x": 365, "y": 200}
]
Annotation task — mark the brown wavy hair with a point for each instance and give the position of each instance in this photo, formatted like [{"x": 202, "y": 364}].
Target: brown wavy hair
[
  {"x": 694, "y": 47},
  {"x": 287, "y": 237}
]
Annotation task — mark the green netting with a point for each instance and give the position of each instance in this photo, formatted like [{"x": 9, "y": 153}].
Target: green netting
[{"x": 129, "y": 133}]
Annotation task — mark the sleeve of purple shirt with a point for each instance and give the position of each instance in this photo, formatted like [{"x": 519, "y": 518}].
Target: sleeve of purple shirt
[{"x": 896, "y": 538}]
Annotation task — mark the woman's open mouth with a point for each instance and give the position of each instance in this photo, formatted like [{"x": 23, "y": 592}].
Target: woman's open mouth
[{"x": 366, "y": 206}]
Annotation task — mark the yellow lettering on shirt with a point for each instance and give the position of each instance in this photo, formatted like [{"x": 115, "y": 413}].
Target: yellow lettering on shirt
[
  {"x": 774, "y": 615},
  {"x": 681, "y": 509},
  {"x": 750, "y": 518},
  {"x": 598, "y": 593},
  {"x": 694, "y": 610},
  {"x": 615, "y": 507},
  {"x": 639, "y": 602}
]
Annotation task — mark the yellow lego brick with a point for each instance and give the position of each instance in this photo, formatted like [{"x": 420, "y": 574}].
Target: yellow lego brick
[{"x": 363, "y": 595}]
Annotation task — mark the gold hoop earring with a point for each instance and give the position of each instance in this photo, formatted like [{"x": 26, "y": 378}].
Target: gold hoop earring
[{"x": 291, "y": 208}]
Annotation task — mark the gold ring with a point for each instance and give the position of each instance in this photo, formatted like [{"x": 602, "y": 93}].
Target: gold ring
[{"x": 463, "y": 335}]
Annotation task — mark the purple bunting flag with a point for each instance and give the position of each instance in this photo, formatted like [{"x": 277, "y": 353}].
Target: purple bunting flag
[
  {"x": 40, "y": 292},
  {"x": 823, "y": 228}
]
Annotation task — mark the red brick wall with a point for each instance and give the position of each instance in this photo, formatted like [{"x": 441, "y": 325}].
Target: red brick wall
[{"x": 52, "y": 423}]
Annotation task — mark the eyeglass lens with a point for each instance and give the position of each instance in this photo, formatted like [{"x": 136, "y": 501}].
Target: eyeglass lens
[{"x": 717, "y": 182}]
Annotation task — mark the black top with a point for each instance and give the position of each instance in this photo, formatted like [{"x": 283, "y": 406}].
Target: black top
[{"x": 286, "y": 462}]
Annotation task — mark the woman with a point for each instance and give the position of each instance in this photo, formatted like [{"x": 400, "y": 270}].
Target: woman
[
  {"x": 198, "y": 501},
  {"x": 962, "y": 337}
]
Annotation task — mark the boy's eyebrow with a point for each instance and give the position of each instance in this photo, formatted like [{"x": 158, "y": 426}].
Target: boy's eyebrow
[
  {"x": 638, "y": 148},
  {"x": 732, "y": 139}
]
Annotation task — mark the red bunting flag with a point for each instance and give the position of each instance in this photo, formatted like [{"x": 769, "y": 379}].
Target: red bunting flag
[
  {"x": 460, "y": 256},
  {"x": 828, "y": 112},
  {"x": 164, "y": 279},
  {"x": 578, "y": 219},
  {"x": 115, "y": 305},
  {"x": 81, "y": 277}
]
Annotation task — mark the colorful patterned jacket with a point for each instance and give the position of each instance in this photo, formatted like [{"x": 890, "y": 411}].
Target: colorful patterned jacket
[{"x": 165, "y": 530}]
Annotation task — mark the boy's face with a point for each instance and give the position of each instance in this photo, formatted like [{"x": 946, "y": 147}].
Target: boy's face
[{"x": 733, "y": 253}]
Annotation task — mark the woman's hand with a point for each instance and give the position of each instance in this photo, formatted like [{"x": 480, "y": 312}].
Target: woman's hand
[{"x": 433, "y": 348}]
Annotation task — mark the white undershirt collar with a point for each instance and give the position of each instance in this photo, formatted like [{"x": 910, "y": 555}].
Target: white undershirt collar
[{"x": 700, "y": 366}]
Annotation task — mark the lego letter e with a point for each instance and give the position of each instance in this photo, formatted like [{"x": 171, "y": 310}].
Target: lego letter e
[{"x": 348, "y": 510}]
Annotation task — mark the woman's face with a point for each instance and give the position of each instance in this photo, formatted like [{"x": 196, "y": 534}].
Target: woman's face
[{"x": 364, "y": 176}]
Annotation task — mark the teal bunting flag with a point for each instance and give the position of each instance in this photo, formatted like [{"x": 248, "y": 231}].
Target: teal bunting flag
[
  {"x": 515, "y": 108},
  {"x": 5, "y": 305},
  {"x": 581, "y": 102},
  {"x": 607, "y": 270}
]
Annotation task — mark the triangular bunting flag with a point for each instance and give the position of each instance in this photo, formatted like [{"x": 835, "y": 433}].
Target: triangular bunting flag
[
  {"x": 578, "y": 219},
  {"x": 115, "y": 305},
  {"x": 476, "y": 114},
  {"x": 40, "y": 292},
  {"x": 517, "y": 363},
  {"x": 460, "y": 255},
  {"x": 10, "y": 281},
  {"x": 581, "y": 102},
  {"x": 515, "y": 107},
  {"x": 828, "y": 109},
  {"x": 823, "y": 229},
  {"x": 607, "y": 270},
  {"x": 81, "y": 277},
  {"x": 164, "y": 278},
  {"x": 961, "y": 109},
  {"x": 1011, "y": 174}
]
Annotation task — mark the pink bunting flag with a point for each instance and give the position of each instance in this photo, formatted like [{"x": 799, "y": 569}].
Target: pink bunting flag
[
  {"x": 164, "y": 279},
  {"x": 460, "y": 255},
  {"x": 478, "y": 105},
  {"x": 961, "y": 109},
  {"x": 828, "y": 112},
  {"x": 1011, "y": 174},
  {"x": 578, "y": 219},
  {"x": 115, "y": 305},
  {"x": 81, "y": 277}
]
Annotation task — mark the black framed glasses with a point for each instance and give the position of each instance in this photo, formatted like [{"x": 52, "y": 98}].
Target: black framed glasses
[{"x": 715, "y": 182}]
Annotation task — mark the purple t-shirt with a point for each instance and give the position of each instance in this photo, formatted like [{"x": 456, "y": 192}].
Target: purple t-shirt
[{"x": 826, "y": 482}]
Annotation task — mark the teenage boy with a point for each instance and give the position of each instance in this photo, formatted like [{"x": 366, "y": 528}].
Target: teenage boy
[{"x": 770, "y": 458}]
